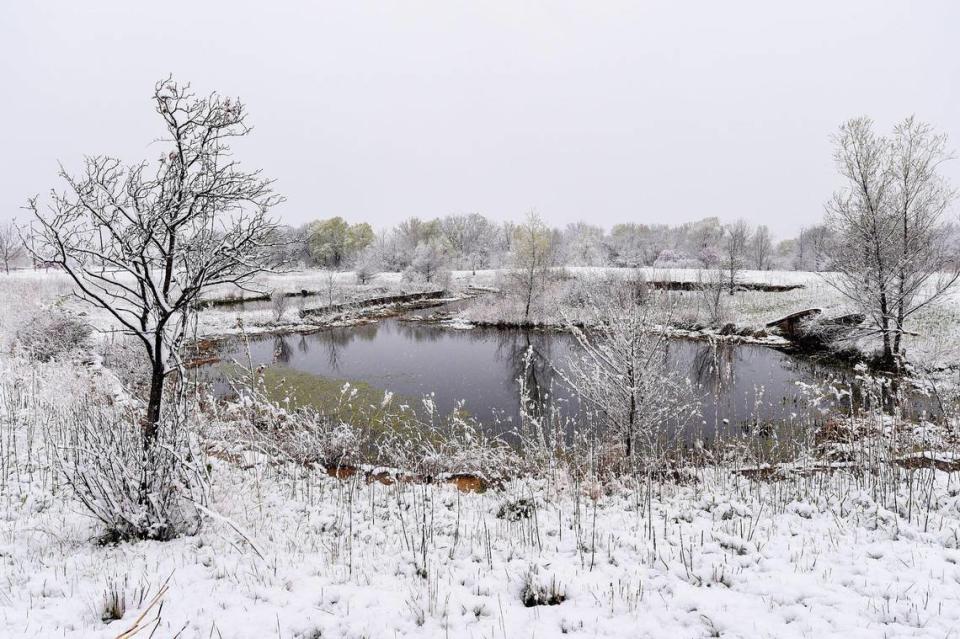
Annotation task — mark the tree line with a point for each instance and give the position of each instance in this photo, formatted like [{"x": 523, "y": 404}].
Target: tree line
[{"x": 473, "y": 241}]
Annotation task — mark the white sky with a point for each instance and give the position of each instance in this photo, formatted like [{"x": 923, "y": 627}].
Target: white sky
[{"x": 601, "y": 111}]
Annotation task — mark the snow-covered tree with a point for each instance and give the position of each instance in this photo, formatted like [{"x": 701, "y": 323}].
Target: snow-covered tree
[
  {"x": 890, "y": 251},
  {"x": 368, "y": 264},
  {"x": 621, "y": 373},
  {"x": 813, "y": 248},
  {"x": 734, "y": 251},
  {"x": 410, "y": 234},
  {"x": 429, "y": 263},
  {"x": 629, "y": 245},
  {"x": 143, "y": 244},
  {"x": 531, "y": 257},
  {"x": 470, "y": 240},
  {"x": 761, "y": 247},
  {"x": 583, "y": 245},
  {"x": 11, "y": 245}
]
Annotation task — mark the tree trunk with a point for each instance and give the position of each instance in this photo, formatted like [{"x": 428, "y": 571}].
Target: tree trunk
[
  {"x": 151, "y": 422},
  {"x": 632, "y": 412},
  {"x": 901, "y": 284},
  {"x": 526, "y": 308},
  {"x": 888, "y": 353}
]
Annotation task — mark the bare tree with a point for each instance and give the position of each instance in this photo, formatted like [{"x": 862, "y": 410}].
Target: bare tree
[
  {"x": 710, "y": 295},
  {"x": 890, "y": 252},
  {"x": 582, "y": 245},
  {"x": 734, "y": 251},
  {"x": 761, "y": 246},
  {"x": 620, "y": 371},
  {"x": 11, "y": 245},
  {"x": 860, "y": 214},
  {"x": 331, "y": 285},
  {"x": 143, "y": 244},
  {"x": 429, "y": 263},
  {"x": 925, "y": 264},
  {"x": 531, "y": 253},
  {"x": 368, "y": 264},
  {"x": 279, "y": 303},
  {"x": 813, "y": 245}
]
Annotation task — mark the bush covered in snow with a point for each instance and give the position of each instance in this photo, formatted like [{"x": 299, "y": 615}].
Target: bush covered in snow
[
  {"x": 52, "y": 334},
  {"x": 136, "y": 492}
]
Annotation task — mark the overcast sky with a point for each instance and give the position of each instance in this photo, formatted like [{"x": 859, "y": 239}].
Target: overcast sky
[{"x": 602, "y": 111}]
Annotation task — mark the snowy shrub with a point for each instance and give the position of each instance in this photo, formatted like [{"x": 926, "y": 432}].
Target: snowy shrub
[
  {"x": 279, "y": 302},
  {"x": 358, "y": 432},
  {"x": 437, "y": 279},
  {"x": 434, "y": 447},
  {"x": 537, "y": 593},
  {"x": 308, "y": 438},
  {"x": 53, "y": 334},
  {"x": 516, "y": 509},
  {"x": 620, "y": 373},
  {"x": 136, "y": 492},
  {"x": 125, "y": 357},
  {"x": 367, "y": 266},
  {"x": 710, "y": 256}
]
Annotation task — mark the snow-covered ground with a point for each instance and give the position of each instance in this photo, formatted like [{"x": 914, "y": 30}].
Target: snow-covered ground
[
  {"x": 287, "y": 551},
  {"x": 294, "y": 554}
]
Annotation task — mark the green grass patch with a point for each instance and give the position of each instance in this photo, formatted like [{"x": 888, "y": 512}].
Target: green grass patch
[{"x": 349, "y": 401}]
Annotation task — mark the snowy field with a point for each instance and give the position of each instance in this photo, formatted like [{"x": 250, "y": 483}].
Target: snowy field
[
  {"x": 321, "y": 558},
  {"x": 289, "y": 552}
]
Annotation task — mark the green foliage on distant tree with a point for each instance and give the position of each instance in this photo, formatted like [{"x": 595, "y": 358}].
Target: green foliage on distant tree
[{"x": 333, "y": 242}]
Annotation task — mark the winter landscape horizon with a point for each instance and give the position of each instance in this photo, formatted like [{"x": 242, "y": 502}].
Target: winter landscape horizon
[{"x": 479, "y": 320}]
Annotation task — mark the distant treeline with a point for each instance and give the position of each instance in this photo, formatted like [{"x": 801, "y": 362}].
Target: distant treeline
[{"x": 473, "y": 241}]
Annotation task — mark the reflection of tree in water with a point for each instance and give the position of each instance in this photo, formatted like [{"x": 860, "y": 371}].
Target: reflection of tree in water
[
  {"x": 338, "y": 339},
  {"x": 282, "y": 349},
  {"x": 712, "y": 367},
  {"x": 537, "y": 372},
  {"x": 335, "y": 339},
  {"x": 419, "y": 332}
]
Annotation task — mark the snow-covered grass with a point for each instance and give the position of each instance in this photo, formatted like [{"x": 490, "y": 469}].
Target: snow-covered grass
[
  {"x": 934, "y": 342},
  {"x": 293, "y": 553},
  {"x": 860, "y": 548},
  {"x": 23, "y": 294}
]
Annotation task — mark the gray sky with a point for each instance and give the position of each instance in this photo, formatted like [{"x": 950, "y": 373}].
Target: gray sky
[{"x": 602, "y": 111}]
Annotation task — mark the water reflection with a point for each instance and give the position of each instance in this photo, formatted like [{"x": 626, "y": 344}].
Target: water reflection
[
  {"x": 282, "y": 349},
  {"x": 740, "y": 386},
  {"x": 711, "y": 367}
]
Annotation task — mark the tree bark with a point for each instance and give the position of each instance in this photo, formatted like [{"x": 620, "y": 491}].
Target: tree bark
[{"x": 151, "y": 423}]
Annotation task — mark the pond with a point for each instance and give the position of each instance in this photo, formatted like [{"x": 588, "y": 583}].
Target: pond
[{"x": 479, "y": 370}]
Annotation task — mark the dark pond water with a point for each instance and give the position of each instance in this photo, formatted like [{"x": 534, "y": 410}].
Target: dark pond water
[{"x": 737, "y": 384}]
